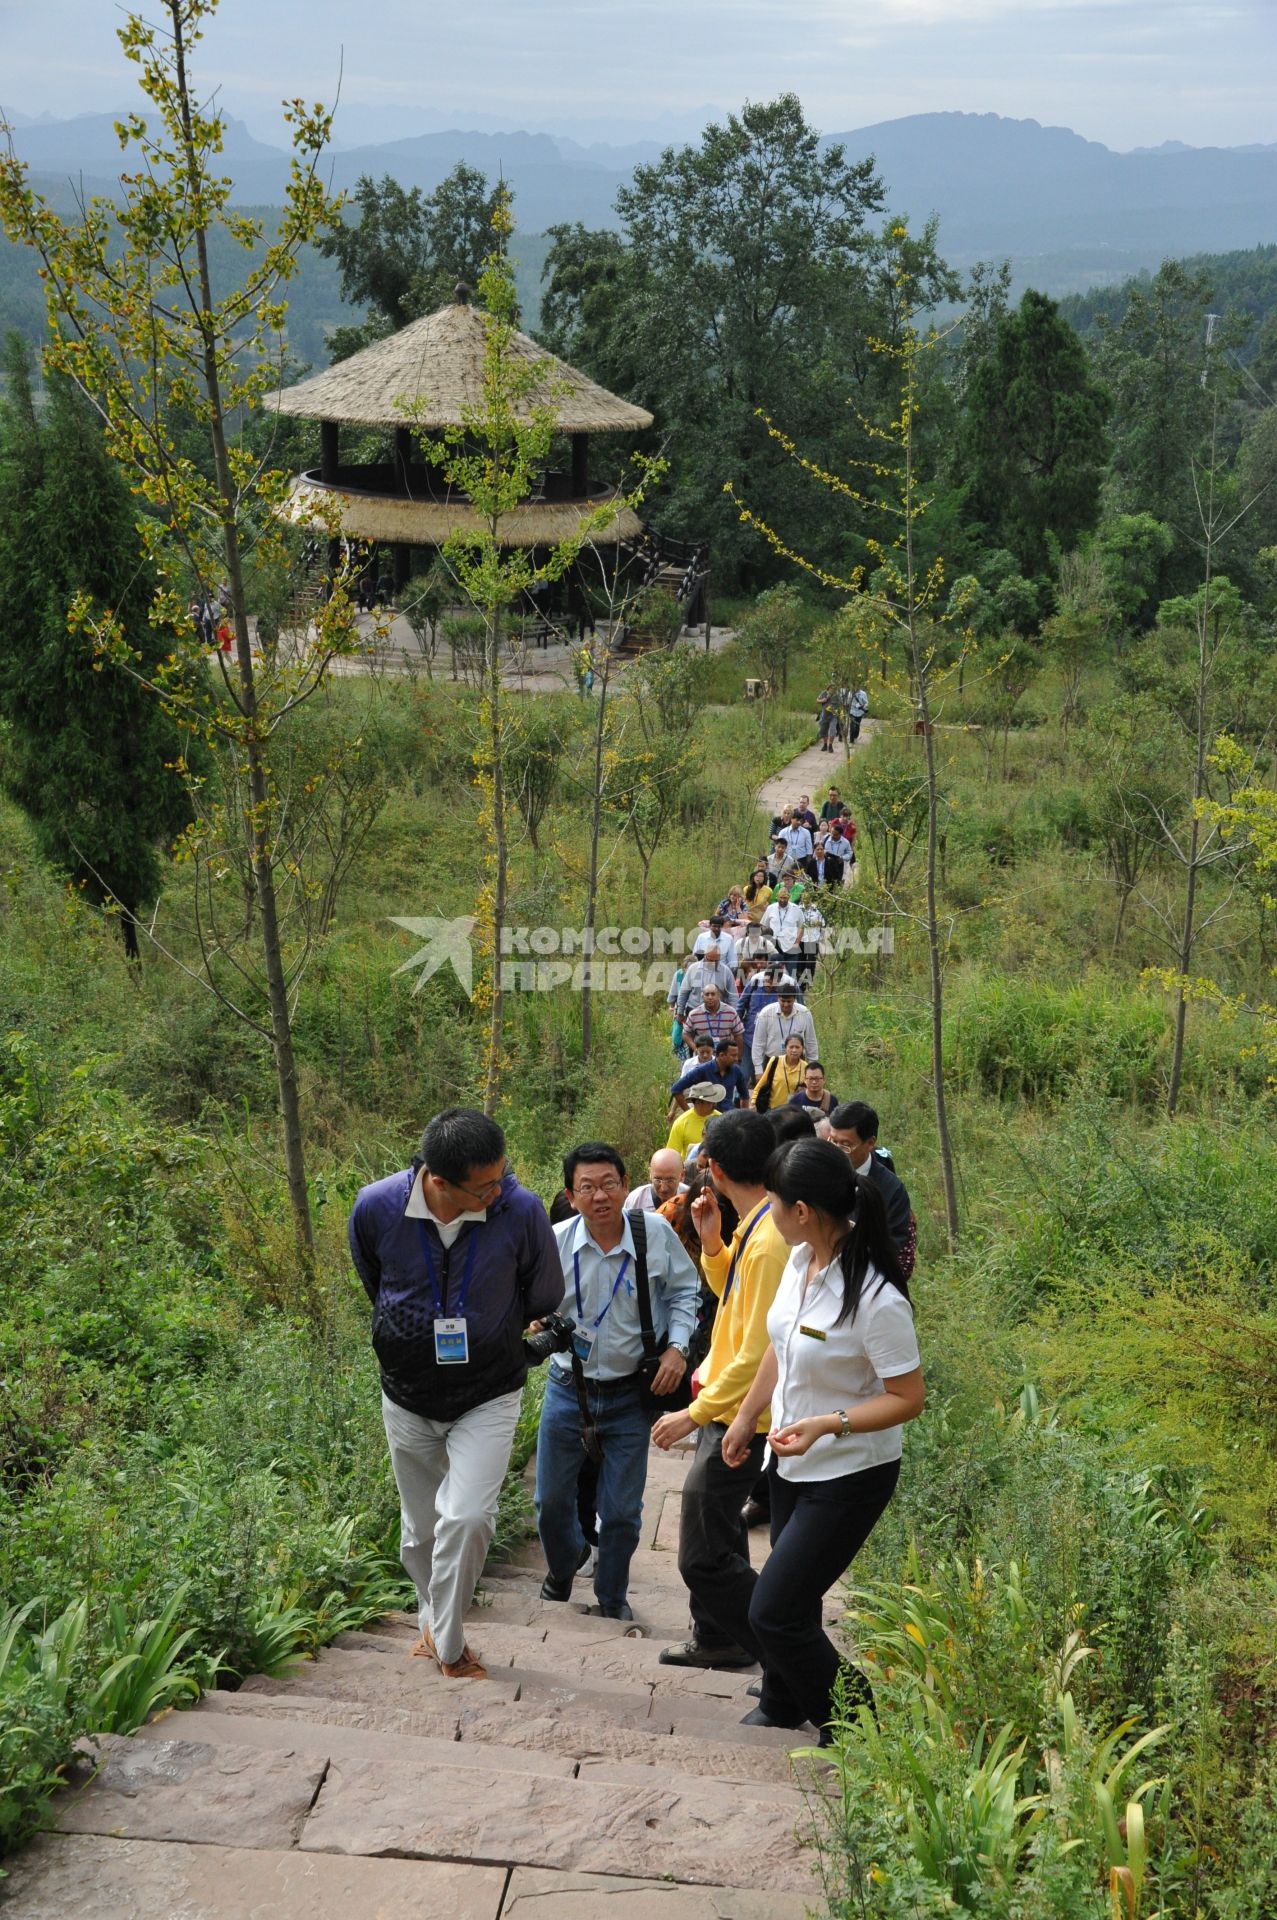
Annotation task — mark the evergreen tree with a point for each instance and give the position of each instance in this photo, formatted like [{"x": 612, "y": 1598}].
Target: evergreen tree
[
  {"x": 1035, "y": 440},
  {"x": 89, "y": 754}
]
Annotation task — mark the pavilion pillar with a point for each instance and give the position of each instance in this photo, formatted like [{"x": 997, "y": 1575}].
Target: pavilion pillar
[
  {"x": 329, "y": 451},
  {"x": 580, "y": 465},
  {"x": 403, "y": 458},
  {"x": 402, "y": 561}
]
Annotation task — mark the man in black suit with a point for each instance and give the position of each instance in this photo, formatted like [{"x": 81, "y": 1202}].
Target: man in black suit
[{"x": 854, "y": 1127}]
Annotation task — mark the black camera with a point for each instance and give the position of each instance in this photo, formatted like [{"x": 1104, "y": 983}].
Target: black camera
[{"x": 554, "y": 1335}]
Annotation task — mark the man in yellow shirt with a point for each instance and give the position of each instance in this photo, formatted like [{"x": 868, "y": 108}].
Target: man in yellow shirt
[
  {"x": 713, "y": 1544},
  {"x": 688, "y": 1130}
]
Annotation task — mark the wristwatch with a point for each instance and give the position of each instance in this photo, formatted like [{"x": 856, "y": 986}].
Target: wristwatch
[
  {"x": 844, "y": 1431},
  {"x": 679, "y": 1348}
]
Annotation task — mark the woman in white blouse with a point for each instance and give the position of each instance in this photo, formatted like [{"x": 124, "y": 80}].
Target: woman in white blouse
[{"x": 842, "y": 1375}]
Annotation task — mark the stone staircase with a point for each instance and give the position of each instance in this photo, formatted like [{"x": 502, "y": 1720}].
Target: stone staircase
[{"x": 581, "y": 1776}]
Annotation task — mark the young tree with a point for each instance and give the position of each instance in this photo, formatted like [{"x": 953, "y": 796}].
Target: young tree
[
  {"x": 90, "y": 755},
  {"x": 905, "y": 599},
  {"x": 493, "y": 459},
  {"x": 771, "y": 630},
  {"x": 534, "y": 761},
  {"x": 1132, "y": 549},
  {"x": 662, "y": 690},
  {"x": 137, "y": 325}
]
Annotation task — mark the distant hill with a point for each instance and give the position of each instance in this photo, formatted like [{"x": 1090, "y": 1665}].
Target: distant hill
[
  {"x": 1001, "y": 187},
  {"x": 1071, "y": 215}
]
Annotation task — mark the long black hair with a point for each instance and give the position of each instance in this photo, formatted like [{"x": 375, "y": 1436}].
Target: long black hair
[
  {"x": 819, "y": 1173},
  {"x": 751, "y": 889}
]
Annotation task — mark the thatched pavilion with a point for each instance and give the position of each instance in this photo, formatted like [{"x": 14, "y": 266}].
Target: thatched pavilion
[{"x": 434, "y": 367}]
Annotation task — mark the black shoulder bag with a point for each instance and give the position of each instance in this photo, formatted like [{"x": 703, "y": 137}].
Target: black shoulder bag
[{"x": 653, "y": 1348}]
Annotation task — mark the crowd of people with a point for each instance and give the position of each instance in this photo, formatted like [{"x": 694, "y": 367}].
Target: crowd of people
[{"x": 752, "y": 1294}]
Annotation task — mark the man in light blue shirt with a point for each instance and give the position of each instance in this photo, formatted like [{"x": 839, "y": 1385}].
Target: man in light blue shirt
[
  {"x": 798, "y": 842},
  {"x": 597, "y": 1252}
]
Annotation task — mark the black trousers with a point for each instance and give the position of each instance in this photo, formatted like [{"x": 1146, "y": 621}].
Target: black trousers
[
  {"x": 713, "y": 1540},
  {"x": 817, "y": 1529}
]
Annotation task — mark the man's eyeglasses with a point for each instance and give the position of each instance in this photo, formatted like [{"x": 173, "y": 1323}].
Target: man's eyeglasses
[
  {"x": 588, "y": 1188},
  {"x": 481, "y": 1195}
]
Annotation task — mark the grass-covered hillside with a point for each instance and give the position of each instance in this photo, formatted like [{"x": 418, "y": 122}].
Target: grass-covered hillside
[{"x": 192, "y": 1472}]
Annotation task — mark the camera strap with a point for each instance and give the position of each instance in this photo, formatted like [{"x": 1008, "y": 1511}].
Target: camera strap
[{"x": 638, "y": 1231}]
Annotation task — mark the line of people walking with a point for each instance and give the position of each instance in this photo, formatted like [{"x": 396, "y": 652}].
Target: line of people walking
[{"x": 752, "y": 1294}]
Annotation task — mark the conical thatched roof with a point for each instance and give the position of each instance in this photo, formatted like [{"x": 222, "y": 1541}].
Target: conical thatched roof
[{"x": 435, "y": 367}]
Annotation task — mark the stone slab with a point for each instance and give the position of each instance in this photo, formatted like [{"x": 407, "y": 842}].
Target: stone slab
[
  {"x": 536, "y": 1894},
  {"x": 329, "y": 1740},
  {"x": 645, "y": 1831},
  {"x": 557, "y": 1729},
  {"x": 182, "y": 1790},
  {"x": 90, "y": 1877},
  {"x": 625, "y": 1704},
  {"x": 387, "y": 1716}
]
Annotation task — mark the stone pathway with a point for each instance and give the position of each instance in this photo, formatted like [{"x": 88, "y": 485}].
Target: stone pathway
[
  {"x": 581, "y": 1776},
  {"x": 810, "y": 770}
]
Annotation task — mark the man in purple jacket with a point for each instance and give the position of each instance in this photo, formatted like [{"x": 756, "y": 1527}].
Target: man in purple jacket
[{"x": 456, "y": 1258}]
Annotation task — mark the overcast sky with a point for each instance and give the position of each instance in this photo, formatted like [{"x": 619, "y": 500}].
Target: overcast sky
[{"x": 1127, "y": 72}]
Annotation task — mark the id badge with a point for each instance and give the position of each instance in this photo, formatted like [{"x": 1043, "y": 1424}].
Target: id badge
[
  {"x": 452, "y": 1346},
  {"x": 583, "y": 1343}
]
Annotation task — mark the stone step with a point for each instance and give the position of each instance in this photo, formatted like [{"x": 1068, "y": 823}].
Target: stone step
[
  {"x": 329, "y": 1740},
  {"x": 177, "y": 1789},
  {"x": 521, "y": 1728},
  {"x": 355, "y": 1675},
  {"x": 713, "y": 1834},
  {"x": 531, "y": 1654},
  {"x": 96, "y": 1877},
  {"x": 335, "y": 1736}
]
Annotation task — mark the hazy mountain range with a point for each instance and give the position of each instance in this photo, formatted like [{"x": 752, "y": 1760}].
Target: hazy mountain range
[{"x": 1070, "y": 213}]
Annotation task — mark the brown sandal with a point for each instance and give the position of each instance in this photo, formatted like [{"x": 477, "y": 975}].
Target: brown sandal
[
  {"x": 425, "y": 1645},
  {"x": 466, "y": 1668}
]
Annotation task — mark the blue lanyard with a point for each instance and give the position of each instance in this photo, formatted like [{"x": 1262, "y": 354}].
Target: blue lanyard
[
  {"x": 741, "y": 1245},
  {"x": 616, "y": 1288},
  {"x": 440, "y": 1298}
]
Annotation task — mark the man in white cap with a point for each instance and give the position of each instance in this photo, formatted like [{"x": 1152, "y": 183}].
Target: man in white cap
[
  {"x": 689, "y": 1128},
  {"x": 775, "y": 1024}
]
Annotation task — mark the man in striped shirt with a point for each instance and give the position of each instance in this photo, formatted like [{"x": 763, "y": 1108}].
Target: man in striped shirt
[{"x": 713, "y": 1018}]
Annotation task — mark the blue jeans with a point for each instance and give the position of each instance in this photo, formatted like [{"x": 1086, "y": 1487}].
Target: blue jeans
[{"x": 625, "y": 1432}]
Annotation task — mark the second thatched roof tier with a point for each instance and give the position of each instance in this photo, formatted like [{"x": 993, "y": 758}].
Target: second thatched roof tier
[
  {"x": 393, "y": 518},
  {"x": 431, "y": 372}
]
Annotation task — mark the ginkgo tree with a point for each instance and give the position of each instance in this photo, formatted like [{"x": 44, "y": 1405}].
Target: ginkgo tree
[
  {"x": 136, "y": 323},
  {"x": 900, "y": 596},
  {"x": 493, "y": 458}
]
